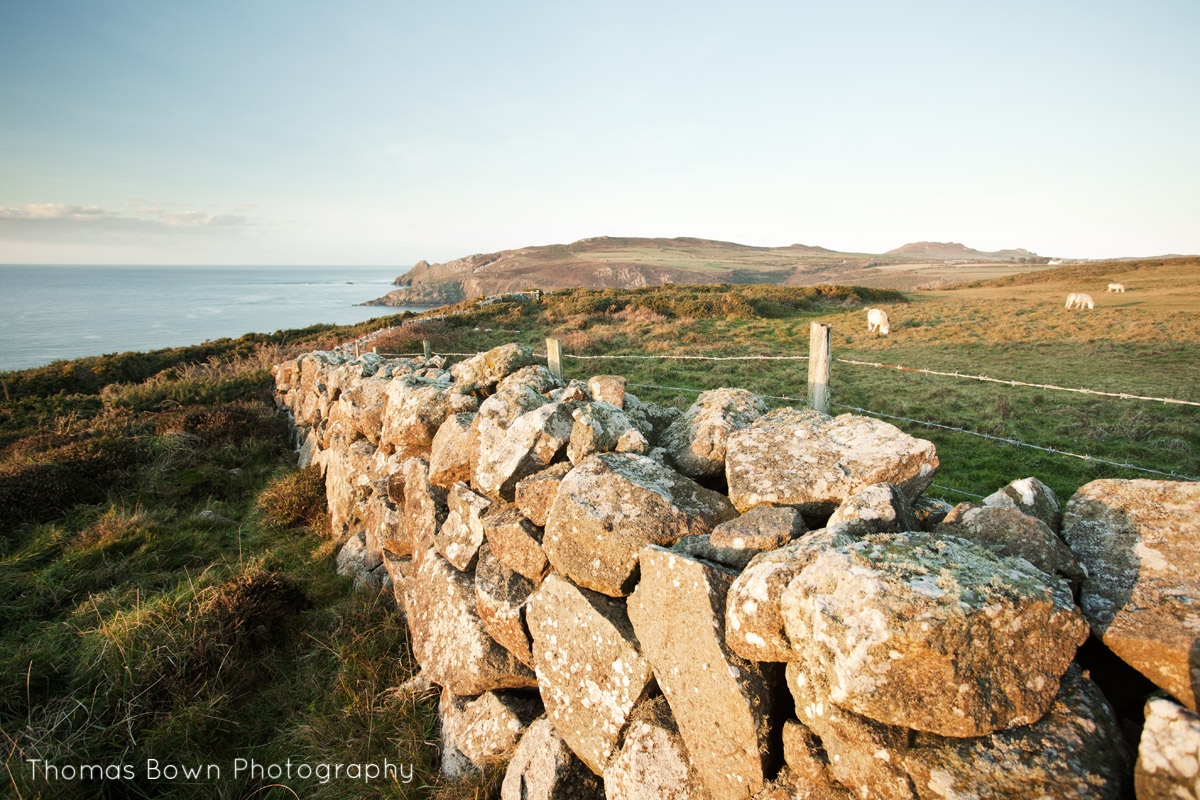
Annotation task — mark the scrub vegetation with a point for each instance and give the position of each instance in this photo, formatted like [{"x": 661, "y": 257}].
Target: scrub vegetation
[{"x": 167, "y": 584}]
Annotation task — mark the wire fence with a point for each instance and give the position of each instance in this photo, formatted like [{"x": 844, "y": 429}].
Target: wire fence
[{"x": 869, "y": 412}]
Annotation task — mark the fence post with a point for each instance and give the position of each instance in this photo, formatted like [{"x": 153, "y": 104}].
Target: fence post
[
  {"x": 819, "y": 337},
  {"x": 427, "y": 348},
  {"x": 356, "y": 349},
  {"x": 554, "y": 357},
  {"x": 375, "y": 349}
]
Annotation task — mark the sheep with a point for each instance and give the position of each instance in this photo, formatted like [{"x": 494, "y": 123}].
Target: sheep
[
  {"x": 877, "y": 321},
  {"x": 1080, "y": 300},
  {"x": 1116, "y": 287}
]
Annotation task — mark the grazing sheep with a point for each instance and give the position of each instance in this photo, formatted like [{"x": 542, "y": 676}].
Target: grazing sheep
[
  {"x": 877, "y": 321},
  {"x": 1116, "y": 287},
  {"x": 1080, "y": 300}
]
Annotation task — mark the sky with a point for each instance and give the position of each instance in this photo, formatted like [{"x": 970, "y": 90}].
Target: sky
[{"x": 383, "y": 133}]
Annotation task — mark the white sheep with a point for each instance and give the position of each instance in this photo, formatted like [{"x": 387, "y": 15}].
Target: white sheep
[
  {"x": 1080, "y": 300},
  {"x": 877, "y": 321},
  {"x": 1116, "y": 287}
]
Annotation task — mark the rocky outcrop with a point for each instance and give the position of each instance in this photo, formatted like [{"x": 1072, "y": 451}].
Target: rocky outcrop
[{"x": 1137, "y": 540}]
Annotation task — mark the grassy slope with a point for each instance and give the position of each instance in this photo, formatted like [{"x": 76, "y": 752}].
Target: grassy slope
[{"x": 125, "y": 623}]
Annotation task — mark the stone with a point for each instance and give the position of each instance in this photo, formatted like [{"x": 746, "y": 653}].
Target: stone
[
  {"x": 881, "y": 508},
  {"x": 516, "y": 542},
  {"x": 349, "y": 474},
  {"x": 544, "y": 768},
  {"x": 500, "y": 597},
  {"x": 416, "y": 408},
  {"x": 611, "y": 505},
  {"x": 355, "y": 561},
  {"x": 483, "y": 371},
  {"x": 1073, "y": 751},
  {"x": 653, "y": 763},
  {"x": 575, "y": 391},
  {"x": 933, "y": 633},
  {"x": 1032, "y": 497},
  {"x": 607, "y": 389},
  {"x": 759, "y": 530},
  {"x": 721, "y": 702},
  {"x": 383, "y": 524},
  {"x": 790, "y": 786},
  {"x": 535, "y": 494},
  {"x": 695, "y": 442},
  {"x": 929, "y": 512},
  {"x": 424, "y": 507},
  {"x": 1168, "y": 763},
  {"x": 1137, "y": 541},
  {"x": 701, "y": 547},
  {"x": 449, "y": 640},
  {"x": 459, "y": 537},
  {"x": 399, "y": 569},
  {"x": 814, "y": 462},
  {"x": 527, "y": 446},
  {"x": 803, "y": 753},
  {"x": 650, "y": 418},
  {"x": 753, "y": 608},
  {"x": 599, "y": 428},
  {"x": 362, "y": 405},
  {"x": 486, "y": 729},
  {"x": 590, "y": 668},
  {"x": 451, "y": 455},
  {"x": 1007, "y": 531}
]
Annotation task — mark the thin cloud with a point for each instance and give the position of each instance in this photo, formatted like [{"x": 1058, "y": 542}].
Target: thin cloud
[{"x": 56, "y": 221}]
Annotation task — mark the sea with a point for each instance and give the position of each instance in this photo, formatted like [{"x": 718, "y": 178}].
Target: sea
[{"x": 49, "y": 313}]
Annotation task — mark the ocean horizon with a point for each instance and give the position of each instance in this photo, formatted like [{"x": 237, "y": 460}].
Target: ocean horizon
[{"x": 54, "y": 312}]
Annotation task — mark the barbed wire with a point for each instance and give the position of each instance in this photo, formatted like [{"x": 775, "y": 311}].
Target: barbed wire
[
  {"x": 956, "y": 374},
  {"x": 688, "y": 358},
  {"x": 1019, "y": 443},
  {"x": 956, "y": 491}
]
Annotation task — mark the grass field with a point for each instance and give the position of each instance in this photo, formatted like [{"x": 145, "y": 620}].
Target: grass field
[{"x": 167, "y": 584}]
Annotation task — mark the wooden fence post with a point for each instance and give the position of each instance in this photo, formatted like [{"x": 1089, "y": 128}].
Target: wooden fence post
[
  {"x": 356, "y": 349},
  {"x": 554, "y": 357},
  {"x": 428, "y": 349},
  {"x": 819, "y": 338}
]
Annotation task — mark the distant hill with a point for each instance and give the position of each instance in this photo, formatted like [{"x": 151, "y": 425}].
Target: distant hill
[
  {"x": 607, "y": 262},
  {"x": 954, "y": 250}
]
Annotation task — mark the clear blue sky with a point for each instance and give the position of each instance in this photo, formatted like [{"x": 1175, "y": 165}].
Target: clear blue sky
[{"x": 383, "y": 133}]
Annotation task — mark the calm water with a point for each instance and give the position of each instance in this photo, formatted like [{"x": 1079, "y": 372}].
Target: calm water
[{"x": 49, "y": 313}]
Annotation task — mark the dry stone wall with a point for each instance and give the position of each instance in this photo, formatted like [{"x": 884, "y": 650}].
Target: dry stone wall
[{"x": 622, "y": 600}]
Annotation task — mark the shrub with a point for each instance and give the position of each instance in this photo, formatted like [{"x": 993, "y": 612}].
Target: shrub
[{"x": 296, "y": 499}]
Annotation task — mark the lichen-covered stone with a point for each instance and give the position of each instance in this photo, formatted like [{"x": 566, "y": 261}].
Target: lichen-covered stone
[
  {"x": 599, "y": 428},
  {"x": 416, "y": 408},
  {"x": 759, "y": 530},
  {"x": 424, "y": 507},
  {"x": 753, "y": 608},
  {"x": 814, "y": 462},
  {"x": 1073, "y": 752},
  {"x": 483, "y": 371},
  {"x": 1008, "y": 531},
  {"x": 448, "y": 637},
  {"x": 500, "y": 596},
  {"x": 881, "y": 508},
  {"x": 607, "y": 389},
  {"x": 589, "y": 666},
  {"x": 452, "y": 453},
  {"x": 695, "y": 442},
  {"x": 701, "y": 547},
  {"x": 1029, "y": 496},
  {"x": 459, "y": 537},
  {"x": 535, "y": 494},
  {"x": 363, "y": 405},
  {"x": 650, "y": 418},
  {"x": 721, "y": 702},
  {"x": 1137, "y": 540},
  {"x": 929, "y": 512},
  {"x": 516, "y": 541},
  {"x": 544, "y": 768},
  {"x": 526, "y": 446},
  {"x": 486, "y": 729},
  {"x": 1168, "y": 763},
  {"x": 933, "y": 633},
  {"x": 611, "y": 505},
  {"x": 653, "y": 763}
]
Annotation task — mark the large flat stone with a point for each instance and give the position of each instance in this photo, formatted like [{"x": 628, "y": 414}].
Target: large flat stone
[{"x": 1137, "y": 540}]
